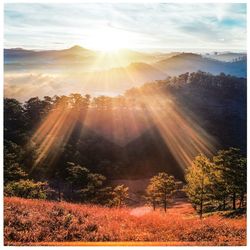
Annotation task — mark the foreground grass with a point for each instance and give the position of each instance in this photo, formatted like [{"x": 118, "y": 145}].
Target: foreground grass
[{"x": 35, "y": 222}]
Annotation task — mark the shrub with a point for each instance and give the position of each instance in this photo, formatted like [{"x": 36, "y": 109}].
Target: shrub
[{"x": 28, "y": 189}]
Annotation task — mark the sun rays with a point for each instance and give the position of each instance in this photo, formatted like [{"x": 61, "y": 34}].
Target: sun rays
[
  {"x": 183, "y": 136},
  {"x": 121, "y": 120}
]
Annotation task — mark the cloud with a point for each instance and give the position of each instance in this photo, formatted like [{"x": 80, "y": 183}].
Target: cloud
[
  {"x": 19, "y": 85},
  {"x": 151, "y": 25}
]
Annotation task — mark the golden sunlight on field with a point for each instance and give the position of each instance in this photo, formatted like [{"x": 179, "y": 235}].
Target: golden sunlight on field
[{"x": 34, "y": 222}]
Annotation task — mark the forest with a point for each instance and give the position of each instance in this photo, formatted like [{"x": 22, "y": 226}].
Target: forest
[
  {"x": 72, "y": 146},
  {"x": 185, "y": 135}
]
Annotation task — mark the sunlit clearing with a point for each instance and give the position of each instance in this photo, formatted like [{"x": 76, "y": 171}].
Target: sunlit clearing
[{"x": 140, "y": 211}]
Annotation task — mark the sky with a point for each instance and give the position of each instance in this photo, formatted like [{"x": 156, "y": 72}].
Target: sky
[{"x": 107, "y": 26}]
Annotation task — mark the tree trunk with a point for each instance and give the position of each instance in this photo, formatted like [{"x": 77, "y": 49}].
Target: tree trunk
[
  {"x": 201, "y": 209},
  {"x": 224, "y": 203},
  {"x": 234, "y": 201},
  {"x": 154, "y": 206},
  {"x": 72, "y": 191},
  {"x": 59, "y": 194},
  {"x": 165, "y": 202},
  {"x": 241, "y": 201},
  {"x": 201, "y": 204}
]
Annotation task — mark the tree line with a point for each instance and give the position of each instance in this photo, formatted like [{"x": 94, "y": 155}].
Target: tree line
[
  {"x": 96, "y": 159},
  {"x": 219, "y": 183},
  {"x": 216, "y": 184}
]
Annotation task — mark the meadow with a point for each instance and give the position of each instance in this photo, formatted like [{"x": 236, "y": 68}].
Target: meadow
[{"x": 36, "y": 222}]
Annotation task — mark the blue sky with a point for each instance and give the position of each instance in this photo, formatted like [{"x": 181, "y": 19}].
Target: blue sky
[{"x": 135, "y": 26}]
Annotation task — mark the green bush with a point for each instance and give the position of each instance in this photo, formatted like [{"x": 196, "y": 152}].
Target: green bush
[{"x": 27, "y": 189}]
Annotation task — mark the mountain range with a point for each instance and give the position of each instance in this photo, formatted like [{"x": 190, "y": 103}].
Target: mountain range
[
  {"x": 170, "y": 63},
  {"x": 85, "y": 71}
]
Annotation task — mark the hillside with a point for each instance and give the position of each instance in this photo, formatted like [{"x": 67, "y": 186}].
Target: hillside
[
  {"x": 75, "y": 57},
  {"x": 190, "y": 62},
  {"x": 126, "y": 132},
  {"x": 34, "y": 222},
  {"x": 227, "y": 56}
]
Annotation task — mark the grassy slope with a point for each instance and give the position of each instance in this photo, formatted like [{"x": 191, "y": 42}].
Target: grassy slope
[{"x": 37, "y": 222}]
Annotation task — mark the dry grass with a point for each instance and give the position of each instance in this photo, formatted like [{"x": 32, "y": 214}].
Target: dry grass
[{"x": 29, "y": 222}]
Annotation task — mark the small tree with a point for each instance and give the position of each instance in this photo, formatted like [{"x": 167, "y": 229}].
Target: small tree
[
  {"x": 77, "y": 177},
  {"x": 94, "y": 190},
  {"x": 152, "y": 195},
  {"x": 86, "y": 186},
  {"x": 160, "y": 189},
  {"x": 198, "y": 182},
  {"x": 120, "y": 194}
]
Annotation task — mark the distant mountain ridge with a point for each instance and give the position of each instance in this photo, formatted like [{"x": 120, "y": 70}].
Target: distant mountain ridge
[
  {"x": 190, "y": 62},
  {"x": 77, "y": 69},
  {"x": 87, "y": 60},
  {"x": 227, "y": 56}
]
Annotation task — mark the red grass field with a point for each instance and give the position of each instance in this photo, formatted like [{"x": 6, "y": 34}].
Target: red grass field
[{"x": 36, "y": 222}]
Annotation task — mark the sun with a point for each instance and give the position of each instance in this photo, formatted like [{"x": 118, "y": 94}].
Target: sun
[{"x": 109, "y": 41}]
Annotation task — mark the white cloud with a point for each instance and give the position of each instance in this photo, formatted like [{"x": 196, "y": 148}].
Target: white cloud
[{"x": 143, "y": 25}]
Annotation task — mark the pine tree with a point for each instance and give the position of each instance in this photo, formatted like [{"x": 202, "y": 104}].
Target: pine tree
[
  {"x": 152, "y": 195},
  {"x": 232, "y": 167},
  {"x": 198, "y": 182},
  {"x": 120, "y": 194},
  {"x": 160, "y": 189}
]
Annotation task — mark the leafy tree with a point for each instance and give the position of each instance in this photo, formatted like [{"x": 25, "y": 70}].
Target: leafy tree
[
  {"x": 198, "y": 182},
  {"x": 77, "y": 175},
  {"x": 120, "y": 194},
  {"x": 15, "y": 121},
  {"x": 217, "y": 188},
  {"x": 35, "y": 110},
  {"x": 233, "y": 173},
  {"x": 86, "y": 186},
  {"x": 152, "y": 194},
  {"x": 13, "y": 156},
  {"x": 102, "y": 103},
  {"x": 94, "y": 190},
  {"x": 13, "y": 172},
  {"x": 160, "y": 189},
  {"x": 79, "y": 103}
]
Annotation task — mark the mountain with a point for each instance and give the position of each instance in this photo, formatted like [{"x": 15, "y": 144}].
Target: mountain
[
  {"x": 76, "y": 59},
  {"x": 118, "y": 80},
  {"x": 190, "y": 62},
  {"x": 18, "y": 55},
  {"x": 77, "y": 69},
  {"x": 75, "y": 56},
  {"x": 226, "y": 56}
]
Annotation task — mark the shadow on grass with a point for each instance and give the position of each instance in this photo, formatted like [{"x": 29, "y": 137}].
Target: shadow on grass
[{"x": 238, "y": 213}]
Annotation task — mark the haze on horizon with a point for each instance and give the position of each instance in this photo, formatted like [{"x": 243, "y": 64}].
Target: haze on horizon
[
  {"x": 116, "y": 36},
  {"x": 109, "y": 26}
]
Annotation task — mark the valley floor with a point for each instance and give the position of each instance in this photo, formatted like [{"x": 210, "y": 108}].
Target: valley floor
[{"x": 36, "y": 222}]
